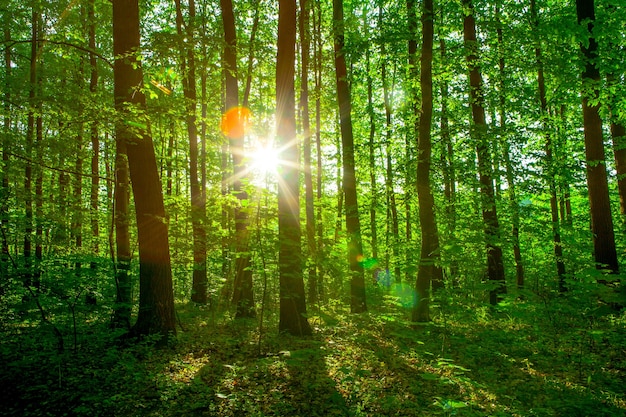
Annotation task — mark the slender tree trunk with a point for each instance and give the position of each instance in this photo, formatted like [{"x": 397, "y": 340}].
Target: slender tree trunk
[
  {"x": 95, "y": 157},
  {"x": 371, "y": 145},
  {"x": 429, "y": 269},
  {"x": 305, "y": 42},
  {"x": 618, "y": 136},
  {"x": 601, "y": 219},
  {"x": 156, "y": 296},
  {"x": 123, "y": 280},
  {"x": 243, "y": 296},
  {"x": 292, "y": 302},
  {"x": 394, "y": 236},
  {"x": 495, "y": 265},
  {"x": 317, "y": 17},
  {"x": 6, "y": 149},
  {"x": 353, "y": 226},
  {"x": 549, "y": 146},
  {"x": 198, "y": 204},
  {"x": 251, "y": 50},
  {"x": 510, "y": 175}
]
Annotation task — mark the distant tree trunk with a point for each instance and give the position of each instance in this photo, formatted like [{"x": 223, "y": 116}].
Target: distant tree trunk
[
  {"x": 123, "y": 281},
  {"x": 292, "y": 302},
  {"x": 6, "y": 149},
  {"x": 243, "y": 296},
  {"x": 429, "y": 269},
  {"x": 198, "y": 204},
  {"x": 510, "y": 174},
  {"x": 353, "y": 226},
  {"x": 317, "y": 17},
  {"x": 550, "y": 163},
  {"x": 371, "y": 146},
  {"x": 618, "y": 136},
  {"x": 28, "y": 149},
  {"x": 90, "y": 298},
  {"x": 447, "y": 160},
  {"x": 156, "y": 297},
  {"x": 495, "y": 265},
  {"x": 305, "y": 41},
  {"x": 601, "y": 219},
  {"x": 251, "y": 59}
]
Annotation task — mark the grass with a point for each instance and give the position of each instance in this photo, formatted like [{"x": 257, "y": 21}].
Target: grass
[{"x": 539, "y": 357}]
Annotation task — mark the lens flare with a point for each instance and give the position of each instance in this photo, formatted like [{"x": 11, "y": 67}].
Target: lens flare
[{"x": 234, "y": 122}]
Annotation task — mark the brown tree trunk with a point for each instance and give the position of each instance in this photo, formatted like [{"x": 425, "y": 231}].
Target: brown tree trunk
[
  {"x": 550, "y": 163},
  {"x": 429, "y": 269},
  {"x": 510, "y": 175},
  {"x": 317, "y": 17},
  {"x": 601, "y": 219},
  {"x": 305, "y": 42},
  {"x": 198, "y": 203},
  {"x": 353, "y": 226},
  {"x": 6, "y": 149},
  {"x": 495, "y": 265},
  {"x": 618, "y": 136},
  {"x": 292, "y": 302},
  {"x": 90, "y": 298},
  {"x": 156, "y": 297},
  {"x": 243, "y": 296}
]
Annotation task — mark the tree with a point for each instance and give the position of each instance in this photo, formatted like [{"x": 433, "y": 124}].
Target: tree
[
  {"x": 353, "y": 226},
  {"x": 156, "y": 297},
  {"x": 601, "y": 219},
  {"x": 198, "y": 199},
  {"x": 429, "y": 269},
  {"x": 292, "y": 302},
  {"x": 495, "y": 265},
  {"x": 233, "y": 127}
]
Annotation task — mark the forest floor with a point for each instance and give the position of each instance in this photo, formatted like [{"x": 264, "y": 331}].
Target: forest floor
[{"x": 540, "y": 357}]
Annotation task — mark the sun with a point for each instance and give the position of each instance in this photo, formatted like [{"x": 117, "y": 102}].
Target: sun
[{"x": 264, "y": 159}]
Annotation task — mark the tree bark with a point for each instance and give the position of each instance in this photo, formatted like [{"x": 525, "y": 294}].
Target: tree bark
[
  {"x": 601, "y": 219},
  {"x": 353, "y": 226},
  {"x": 293, "y": 318},
  {"x": 156, "y": 297},
  {"x": 495, "y": 265}
]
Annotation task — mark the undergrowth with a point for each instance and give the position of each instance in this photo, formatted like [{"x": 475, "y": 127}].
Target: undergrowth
[{"x": 531, "y": 357}]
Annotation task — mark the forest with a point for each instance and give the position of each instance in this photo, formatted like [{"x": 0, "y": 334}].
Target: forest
[{"x": 313, "y": 208}]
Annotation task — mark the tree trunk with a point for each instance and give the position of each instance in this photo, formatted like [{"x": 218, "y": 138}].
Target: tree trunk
[
  {"x": 6, "y": 149},
  {"x": 549, "y": 146},
  {"x": 429, "y": 269},
  {"x": 510, "y": 175},
  {"x": 317, "y": 18},
  {"x": 156, "y": 297},
  {"x": 198, "y": 203},
  {"x": 243, "y": 296},
  {"x": 601, "y": 219},
  {"x": 292, "y": 302},
  {"x": 353, "y": 226},
  {"x": 495, "y": 265}
]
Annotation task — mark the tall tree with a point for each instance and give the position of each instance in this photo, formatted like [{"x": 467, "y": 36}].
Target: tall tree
[
  {"x": 429, "y": 269},
  {"x": 198, "y": 203},
  {"x": 156, "y": 296},
  {"x": 601, "y": 219},
  {"x": 292, "y": 302},
  {"x": 305, "y": 41},
  {"x": 353, "y": 225},
  {"x": 551, "y": 168},
  {"x": 495, "y": 265},
  {"x": 232, "y": 125},
  {"x": 6, "y": 144}
]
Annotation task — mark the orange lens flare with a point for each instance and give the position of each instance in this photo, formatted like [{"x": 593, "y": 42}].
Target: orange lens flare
[{"x": 234, "y": 122}]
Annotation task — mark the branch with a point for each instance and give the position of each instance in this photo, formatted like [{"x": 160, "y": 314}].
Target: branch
[{"x": 106, "y": 60}]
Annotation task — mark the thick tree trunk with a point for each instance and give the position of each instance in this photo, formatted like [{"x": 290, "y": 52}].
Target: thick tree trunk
[
  {"x": 156, "y": 297},
  {"x": 292, "y": 302},
  {"x": 243, "y": 296},
  {"x": 353, "y": 226},
  {"x": 495, "y": 265},
  {"x": 601, "y": 219}
]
